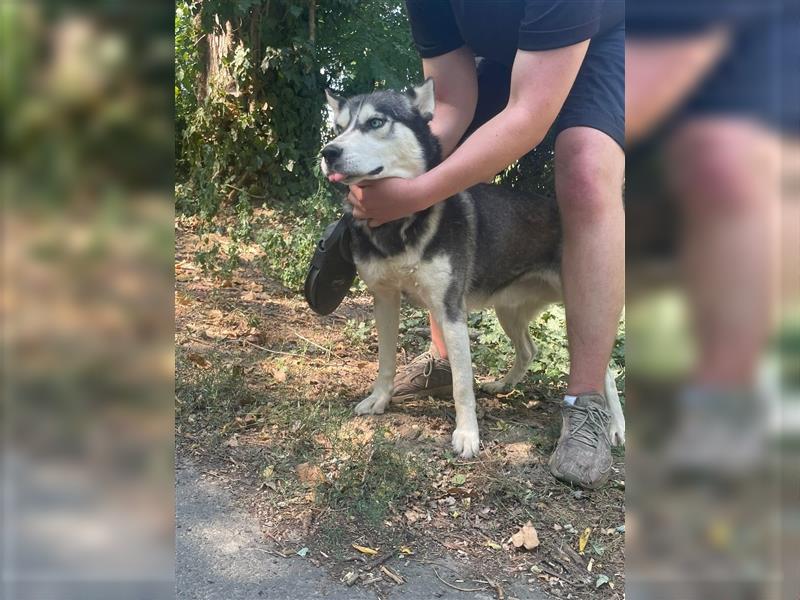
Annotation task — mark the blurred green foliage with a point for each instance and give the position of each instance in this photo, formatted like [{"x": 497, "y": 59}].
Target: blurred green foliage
[{"x": 88, "y": 119}]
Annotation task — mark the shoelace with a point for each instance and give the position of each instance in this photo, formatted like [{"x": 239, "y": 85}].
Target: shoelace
[
  {"x": 430, "y": 362},
  {"x": 585, "y": 423}
]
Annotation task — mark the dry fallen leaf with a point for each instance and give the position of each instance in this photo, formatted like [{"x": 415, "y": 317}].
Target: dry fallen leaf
[
  {"x": 602, "y": 580},
  {"x": 198, "y": 359},
  {"x": 406, "y": 550},
  {"x": 310, "y": 474},
  {"x": 365, "y": 550},
  {"x": 526, "y": 537},
  {"x": 583, "y": 539},
  {"x": 413, "y": 516},
  {"x": 493, "y": 545}
]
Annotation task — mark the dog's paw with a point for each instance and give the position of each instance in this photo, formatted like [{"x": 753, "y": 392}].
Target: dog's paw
[
  {"x": 495, "y": 387},
  {"x": 616, "y": 432},
  {"x": 374, "y": 404},
  {"x": 466, "y": 441}
]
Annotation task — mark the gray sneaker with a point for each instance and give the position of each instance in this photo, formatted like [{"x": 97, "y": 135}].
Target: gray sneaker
[
  {"x": 718, "y": 432},
  {"x": 426, "y": 375},
  {"x": 583, "y": 453}
]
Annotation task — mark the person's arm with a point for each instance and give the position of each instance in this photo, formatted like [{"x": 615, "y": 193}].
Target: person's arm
[
  {"x": 455, "y": 84},
  {"x": 661, "y": 73},
  {"x": 540, "y": 83}
]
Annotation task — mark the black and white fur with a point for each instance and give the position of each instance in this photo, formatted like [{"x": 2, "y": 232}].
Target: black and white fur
[{"x": 485, "y": 247}]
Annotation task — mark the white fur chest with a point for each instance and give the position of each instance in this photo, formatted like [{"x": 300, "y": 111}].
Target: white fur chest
[{"x": 420, "y": 280}]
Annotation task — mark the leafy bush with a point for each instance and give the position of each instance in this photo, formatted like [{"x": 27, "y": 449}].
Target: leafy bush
[{"x": 250, "y": 76}]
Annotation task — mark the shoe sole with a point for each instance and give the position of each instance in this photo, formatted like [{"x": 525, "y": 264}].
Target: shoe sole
[{"x": 588, "y": 486}]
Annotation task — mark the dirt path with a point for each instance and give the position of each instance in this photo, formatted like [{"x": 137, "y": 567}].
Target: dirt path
[{"x": 223, "y": 555}]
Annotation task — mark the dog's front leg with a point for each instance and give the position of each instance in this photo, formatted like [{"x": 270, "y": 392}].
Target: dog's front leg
[
  {"x": 387, "y": 318},
  {"x": 466, "y": 439},
  {"x": 616, "y": 427}
]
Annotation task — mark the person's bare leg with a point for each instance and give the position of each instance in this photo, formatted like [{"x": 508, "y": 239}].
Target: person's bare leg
[
  {"x": 437, "y": 338},
  {"x": 590, "y": 167},
  {"x": 726, "y": 175}
]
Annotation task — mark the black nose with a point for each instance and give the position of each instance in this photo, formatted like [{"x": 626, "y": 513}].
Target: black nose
[{"x": 330, "y": 153}]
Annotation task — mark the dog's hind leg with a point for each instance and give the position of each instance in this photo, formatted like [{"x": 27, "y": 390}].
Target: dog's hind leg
[
  {"x": 466, "y": 438},
  {"x": 616, "y": 427},
  {"x": 387, "y": 318},
  {"x": 515, "y": 321}
]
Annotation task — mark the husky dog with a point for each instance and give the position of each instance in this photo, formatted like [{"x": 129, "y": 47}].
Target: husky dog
[{"x": 485, "y": 247}]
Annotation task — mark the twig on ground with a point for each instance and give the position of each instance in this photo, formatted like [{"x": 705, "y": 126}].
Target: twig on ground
[
  {"x": 327, "y": 351},
  {"x": 380, "y": 560},
  {"x": 422, "y": 561},
  {"x": 249, "y": 343},
  {"x": 549, "y": 571},
  {"x": 498, "y": 589},
  {"x": 392, "y": 575},
  {"x": 455, "y": 587}
]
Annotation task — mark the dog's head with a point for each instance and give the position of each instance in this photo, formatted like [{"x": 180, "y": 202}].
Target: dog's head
[{"x": 382, "y": 134}]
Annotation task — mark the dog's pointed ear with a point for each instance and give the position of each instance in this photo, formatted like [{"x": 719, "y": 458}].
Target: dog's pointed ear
[
  {"x": 334, "y": 101},
  {"x": 423, "y": 99}
]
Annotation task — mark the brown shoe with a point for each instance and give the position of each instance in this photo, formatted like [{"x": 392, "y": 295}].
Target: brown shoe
[
  {"x": 426, "y": 375},
  {"x": 583, "y": 453}
]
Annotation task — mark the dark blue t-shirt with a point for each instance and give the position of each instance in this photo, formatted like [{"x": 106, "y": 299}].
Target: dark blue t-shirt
[
  {"x": 496, "y": 29},
  {"x": 684, "y": 17}
]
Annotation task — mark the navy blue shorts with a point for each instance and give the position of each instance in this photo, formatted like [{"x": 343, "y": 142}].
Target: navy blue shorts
[
  {"x": 596, "y": 100},
  {"x": 757, "y": 79}
]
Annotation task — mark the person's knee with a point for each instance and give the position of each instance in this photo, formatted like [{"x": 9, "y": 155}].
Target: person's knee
[
  {"x": 588, "y": 179},
  {"x": 723, "y": 167}
]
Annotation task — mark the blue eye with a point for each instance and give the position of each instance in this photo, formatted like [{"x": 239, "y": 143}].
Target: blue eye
[{"x": 376, "y": 123}]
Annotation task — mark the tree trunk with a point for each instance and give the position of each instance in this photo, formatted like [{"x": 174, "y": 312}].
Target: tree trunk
[
  {"x": 312, "y": 21},
  {"x": 220, "y": 43}
]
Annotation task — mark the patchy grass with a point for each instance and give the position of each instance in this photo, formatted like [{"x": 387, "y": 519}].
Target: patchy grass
[
  {"x": 375, "y": 481},
  {"x": 264, "y": 394}
]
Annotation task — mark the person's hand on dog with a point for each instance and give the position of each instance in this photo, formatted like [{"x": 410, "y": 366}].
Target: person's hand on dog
[{"x": 382, "y": 200}]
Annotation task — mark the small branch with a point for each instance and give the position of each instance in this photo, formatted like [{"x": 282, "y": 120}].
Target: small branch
[
  {"x": 501, "y": 595},
  {"x": 327, "y": 351},
  {"x": 561, "y": 577},
  {"x": 379, "y": 561},
  {"x": 455, "y": 587},
  {"x": 392, "y": 575},
  {"x": 270, "y": 351},
  {"x": 238, "y": 189}
]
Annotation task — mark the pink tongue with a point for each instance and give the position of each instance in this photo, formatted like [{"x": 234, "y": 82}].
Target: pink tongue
[{"x": 335, "y": 177}]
